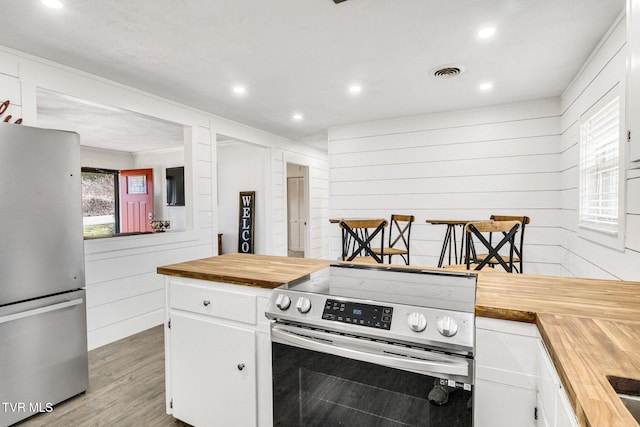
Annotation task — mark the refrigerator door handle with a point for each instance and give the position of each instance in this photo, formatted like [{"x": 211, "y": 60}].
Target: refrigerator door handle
[{"x": 41, "y": 310}]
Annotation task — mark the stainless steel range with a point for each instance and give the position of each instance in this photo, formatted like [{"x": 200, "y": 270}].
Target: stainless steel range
[{"x": 365, "y": 345}]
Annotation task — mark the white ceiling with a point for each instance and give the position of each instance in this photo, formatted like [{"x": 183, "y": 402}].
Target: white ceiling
[
  {"x": 302, "y": 55},
  {"x": 107, "y": 128}
]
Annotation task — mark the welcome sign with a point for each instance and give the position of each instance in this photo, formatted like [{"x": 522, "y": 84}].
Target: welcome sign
[{"x": 245, "y": 232}]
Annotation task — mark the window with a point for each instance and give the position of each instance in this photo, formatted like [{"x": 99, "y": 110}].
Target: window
[
  {"x": 600, "y": 207},
  {"x": 99, "y": 202}
]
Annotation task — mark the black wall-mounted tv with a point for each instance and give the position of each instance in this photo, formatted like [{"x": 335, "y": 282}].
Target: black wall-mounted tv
[{"x": 175, "y": 186}]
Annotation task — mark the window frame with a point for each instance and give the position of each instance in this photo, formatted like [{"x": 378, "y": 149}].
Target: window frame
[
  {"x": 609, "y": 238},
  {"x": 116, "y": 194}
]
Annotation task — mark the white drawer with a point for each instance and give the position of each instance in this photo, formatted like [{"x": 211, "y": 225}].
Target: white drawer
[{"x": 213, "y": 302}]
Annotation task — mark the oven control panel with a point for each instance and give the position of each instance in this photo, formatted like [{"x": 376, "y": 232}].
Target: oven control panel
[{"x": 373, "y": 316}]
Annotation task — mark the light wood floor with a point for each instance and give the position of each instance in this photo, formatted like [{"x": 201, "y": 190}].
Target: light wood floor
[{"x": 126, "y": 388}]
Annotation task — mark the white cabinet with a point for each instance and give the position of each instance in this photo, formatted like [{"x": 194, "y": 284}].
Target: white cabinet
[
  {"x": 554, "y": 409},
  {"x": 566, "y": 416},
  {"x": 516, "y": 381},
  {"x": 505, "y": 389},
  {"x": 547, "y": 385},
  {"x": 10, "y": 89},
  {"x": 633, "y": 78},
  {"x": 213, "y": 373},
  {"x": 218, "y": 356},
  {"x": 503, "y": 405}
]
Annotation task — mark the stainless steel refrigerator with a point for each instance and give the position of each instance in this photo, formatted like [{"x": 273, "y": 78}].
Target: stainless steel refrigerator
[{"x": 43, "y": 326}]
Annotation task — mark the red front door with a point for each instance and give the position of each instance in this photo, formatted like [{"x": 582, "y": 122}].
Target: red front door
[{"x": 136, "y": 200}]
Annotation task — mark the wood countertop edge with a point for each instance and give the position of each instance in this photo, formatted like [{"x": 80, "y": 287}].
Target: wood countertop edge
[
  {"x": 270, "y": 275},
  {"x": 612, "y": 412},
  {"x": 560, "y": 368},
  {"x": 211, "y": 277},
  {"x": 506, "y": 314}
]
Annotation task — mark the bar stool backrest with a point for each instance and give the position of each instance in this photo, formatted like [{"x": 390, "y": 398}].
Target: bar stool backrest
[
  {"x": 358, "y": 236},
  {"x": 476, "y": 229},
  {"x": 401, "y": 224},
  {"x": 519, "y": 248}
]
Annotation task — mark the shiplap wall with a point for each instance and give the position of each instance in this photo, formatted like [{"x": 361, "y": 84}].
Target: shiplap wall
[
  {"x": 604, "y": 70},
  {"x": 457, "y": 165},
  {"x": 513, "y": 159},
  {"x": 124, "y": 294},
  {"x": 317, "y": 244}
]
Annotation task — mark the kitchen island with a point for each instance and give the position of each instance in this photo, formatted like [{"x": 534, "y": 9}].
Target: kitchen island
[{"x": 591, "y": 328}]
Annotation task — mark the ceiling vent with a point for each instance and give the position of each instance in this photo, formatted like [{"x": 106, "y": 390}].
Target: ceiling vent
[{"x": 446, "y": 71}]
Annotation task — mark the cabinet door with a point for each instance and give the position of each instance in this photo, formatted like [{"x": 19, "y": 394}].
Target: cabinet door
[
  {"x": 566, "y": 417},
  {"x": 633, "y": 77},
  {"x": 503, "y": 405},
  {"x": 505, "y": 391},
  {"x": 547, "y": 385},
  {"x": 213, "y": 373}
]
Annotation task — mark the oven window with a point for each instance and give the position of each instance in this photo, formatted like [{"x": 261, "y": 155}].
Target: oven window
[{"x": 317, "y": 389}]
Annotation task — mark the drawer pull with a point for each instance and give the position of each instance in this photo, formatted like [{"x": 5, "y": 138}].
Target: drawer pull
[
  {"x": 206, "y": 303},
  {"x": 240, "y": 366}
]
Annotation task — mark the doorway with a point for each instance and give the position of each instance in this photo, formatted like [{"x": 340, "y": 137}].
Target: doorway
[{"x": 297, "y": 177}]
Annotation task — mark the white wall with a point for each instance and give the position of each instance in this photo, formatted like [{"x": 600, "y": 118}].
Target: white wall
[
  {"x": 283, "y": 151},
  {"x": 457, "y": 165},
  {"x": 242, "y": 167},
  {"x": 580, "y": 257},
  {"x": 271, "y": 176},
  {"x": 105, "y": 159},
  {"x": 124, "y": 293}
]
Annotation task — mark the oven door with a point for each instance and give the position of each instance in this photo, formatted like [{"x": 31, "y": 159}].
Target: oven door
[{"x": 326, "y": 379}]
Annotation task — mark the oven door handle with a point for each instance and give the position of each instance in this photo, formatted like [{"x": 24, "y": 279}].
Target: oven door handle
[{"x": 382, "y": 354}]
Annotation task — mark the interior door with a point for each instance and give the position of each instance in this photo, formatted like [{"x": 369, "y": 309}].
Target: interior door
[
  {"x": 295, "y": 212},
  {"x": 136, "y": 200}
]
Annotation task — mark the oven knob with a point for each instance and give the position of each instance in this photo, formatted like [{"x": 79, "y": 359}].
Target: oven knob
[
  {"x": 447, "y": 326},
  {"x": 283, "y": 302},
  {"x": 417, "y": 322},
  {"x": 303, "y": 305}
]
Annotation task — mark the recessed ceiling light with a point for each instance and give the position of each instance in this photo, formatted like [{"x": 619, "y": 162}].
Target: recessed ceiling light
[
  {"x": 297, "y": 116},
  {"x": 485, "y": 33},
  {"x": 355, "y": 89},
  {"x": 53, "y": 4},
  {"x": 239, "y": 89},
  {"x": 486, "y": 86}
]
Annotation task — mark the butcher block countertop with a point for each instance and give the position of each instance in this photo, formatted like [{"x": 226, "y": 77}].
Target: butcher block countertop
[
  {"x": 590, "y": 327},
  {"x": 261, "y": 271},
  {"x": 585, "y": 351},
  {"x": 521, "y": 296}
]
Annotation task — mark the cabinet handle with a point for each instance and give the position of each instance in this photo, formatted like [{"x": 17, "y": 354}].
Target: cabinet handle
[
  {"x": 206, "y": 303},
  {"x": 240, "y": 366}
]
